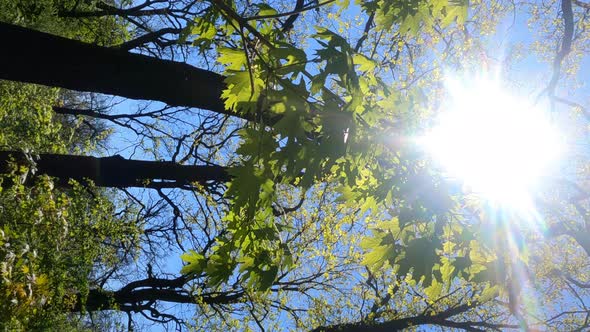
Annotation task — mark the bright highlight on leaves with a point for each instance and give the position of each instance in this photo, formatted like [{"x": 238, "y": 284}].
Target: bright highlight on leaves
[{"x": 500, "y": 145}]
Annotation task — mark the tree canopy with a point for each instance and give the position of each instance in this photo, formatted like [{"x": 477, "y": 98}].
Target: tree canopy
[{"x": 257, "y": 165}]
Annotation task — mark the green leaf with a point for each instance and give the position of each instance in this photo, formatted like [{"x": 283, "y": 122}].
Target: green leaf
[
  {"x": 489, "y": 293},
  {"x": 267, "y": 278},
  {"x": 241, "y": 93},
  {"x": 265, "y": 9},
  {"x": 462, "y": 265},
  {"x": 456, "y": 12},
  {"x": 233, "y": 59},
  {"x": 244, "y": 190},
  {"x": 421, "y": 255},
  {"x": 365, "y": 64},
  {"x": 294, "y": 59},
  {"x": 447, "y": 271},
  {"x": 206, "y": 32},
  {"x": 347, "y": 194},
  {"x": 434, "y": 290},
  {"x": 195, "y": 262},
  {"x": 378, "y": 256}
]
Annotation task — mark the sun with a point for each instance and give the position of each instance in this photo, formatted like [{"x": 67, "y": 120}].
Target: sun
[{"x": 500, "y": 145}]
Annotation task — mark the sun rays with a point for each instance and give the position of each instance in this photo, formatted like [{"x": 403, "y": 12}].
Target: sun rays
[{"x": 501, "y": 146}]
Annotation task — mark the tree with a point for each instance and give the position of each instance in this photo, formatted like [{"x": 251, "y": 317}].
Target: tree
[
  {"x": 116, "y": 171},
  {"x": 86, "y": 67},
  {"x": 51, "y": 243},
  {"x": 318, "y": 218},
  {"x": 53, "y": 240}
]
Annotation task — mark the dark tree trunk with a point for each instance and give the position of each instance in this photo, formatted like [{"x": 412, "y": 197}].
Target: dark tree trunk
[
  {"x": 100, "y": 299},
  {"x": 118, "y": 172},
  {"x": 36, "y": 57},
  {"x": 142, "y": 294}
]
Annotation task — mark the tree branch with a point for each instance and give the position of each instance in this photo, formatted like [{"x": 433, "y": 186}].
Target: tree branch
[
  {"x": 566, "y": 45},
  {"x": 440, "y": 319},
  {"x": 131, "y": 298},
  {"x": 147, "y": 38},
  {"x": 37, "y": 57},
  {"x": 117, "y": 171}
]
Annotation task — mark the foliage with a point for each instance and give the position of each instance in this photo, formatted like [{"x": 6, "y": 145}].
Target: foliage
[
  {"x": 327, "y": 123},
  {"x": 44, "y": 15},
  {"x": 29, "y": 123},
  {"x": 51, "y": 241}
]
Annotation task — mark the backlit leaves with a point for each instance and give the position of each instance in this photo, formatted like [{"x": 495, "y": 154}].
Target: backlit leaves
[
  {"x": 332, "y": 110},
  {"x": 414, "y": 15}
]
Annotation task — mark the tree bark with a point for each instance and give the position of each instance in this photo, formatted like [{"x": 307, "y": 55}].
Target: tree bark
[
  {"x": 36, "y": 57},
  {"x": 99, "y": 299},
  {"x": 440, "y": 319},
  {"x": 117, "y": 171},
  {"x": 135, "y": 295}
]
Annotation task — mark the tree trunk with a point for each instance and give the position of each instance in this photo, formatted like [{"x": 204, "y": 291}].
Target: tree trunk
[
  {"x": 143, "y": 294},
  {"x": 117, "y": 171},
  {"x": 41, "y": 58}
]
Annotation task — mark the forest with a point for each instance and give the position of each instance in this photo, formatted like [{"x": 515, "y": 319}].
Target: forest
[{"x": 308, "y": 165}]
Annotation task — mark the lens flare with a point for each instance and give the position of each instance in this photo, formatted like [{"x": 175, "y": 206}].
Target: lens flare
[{"x": 500, "y": 145}]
